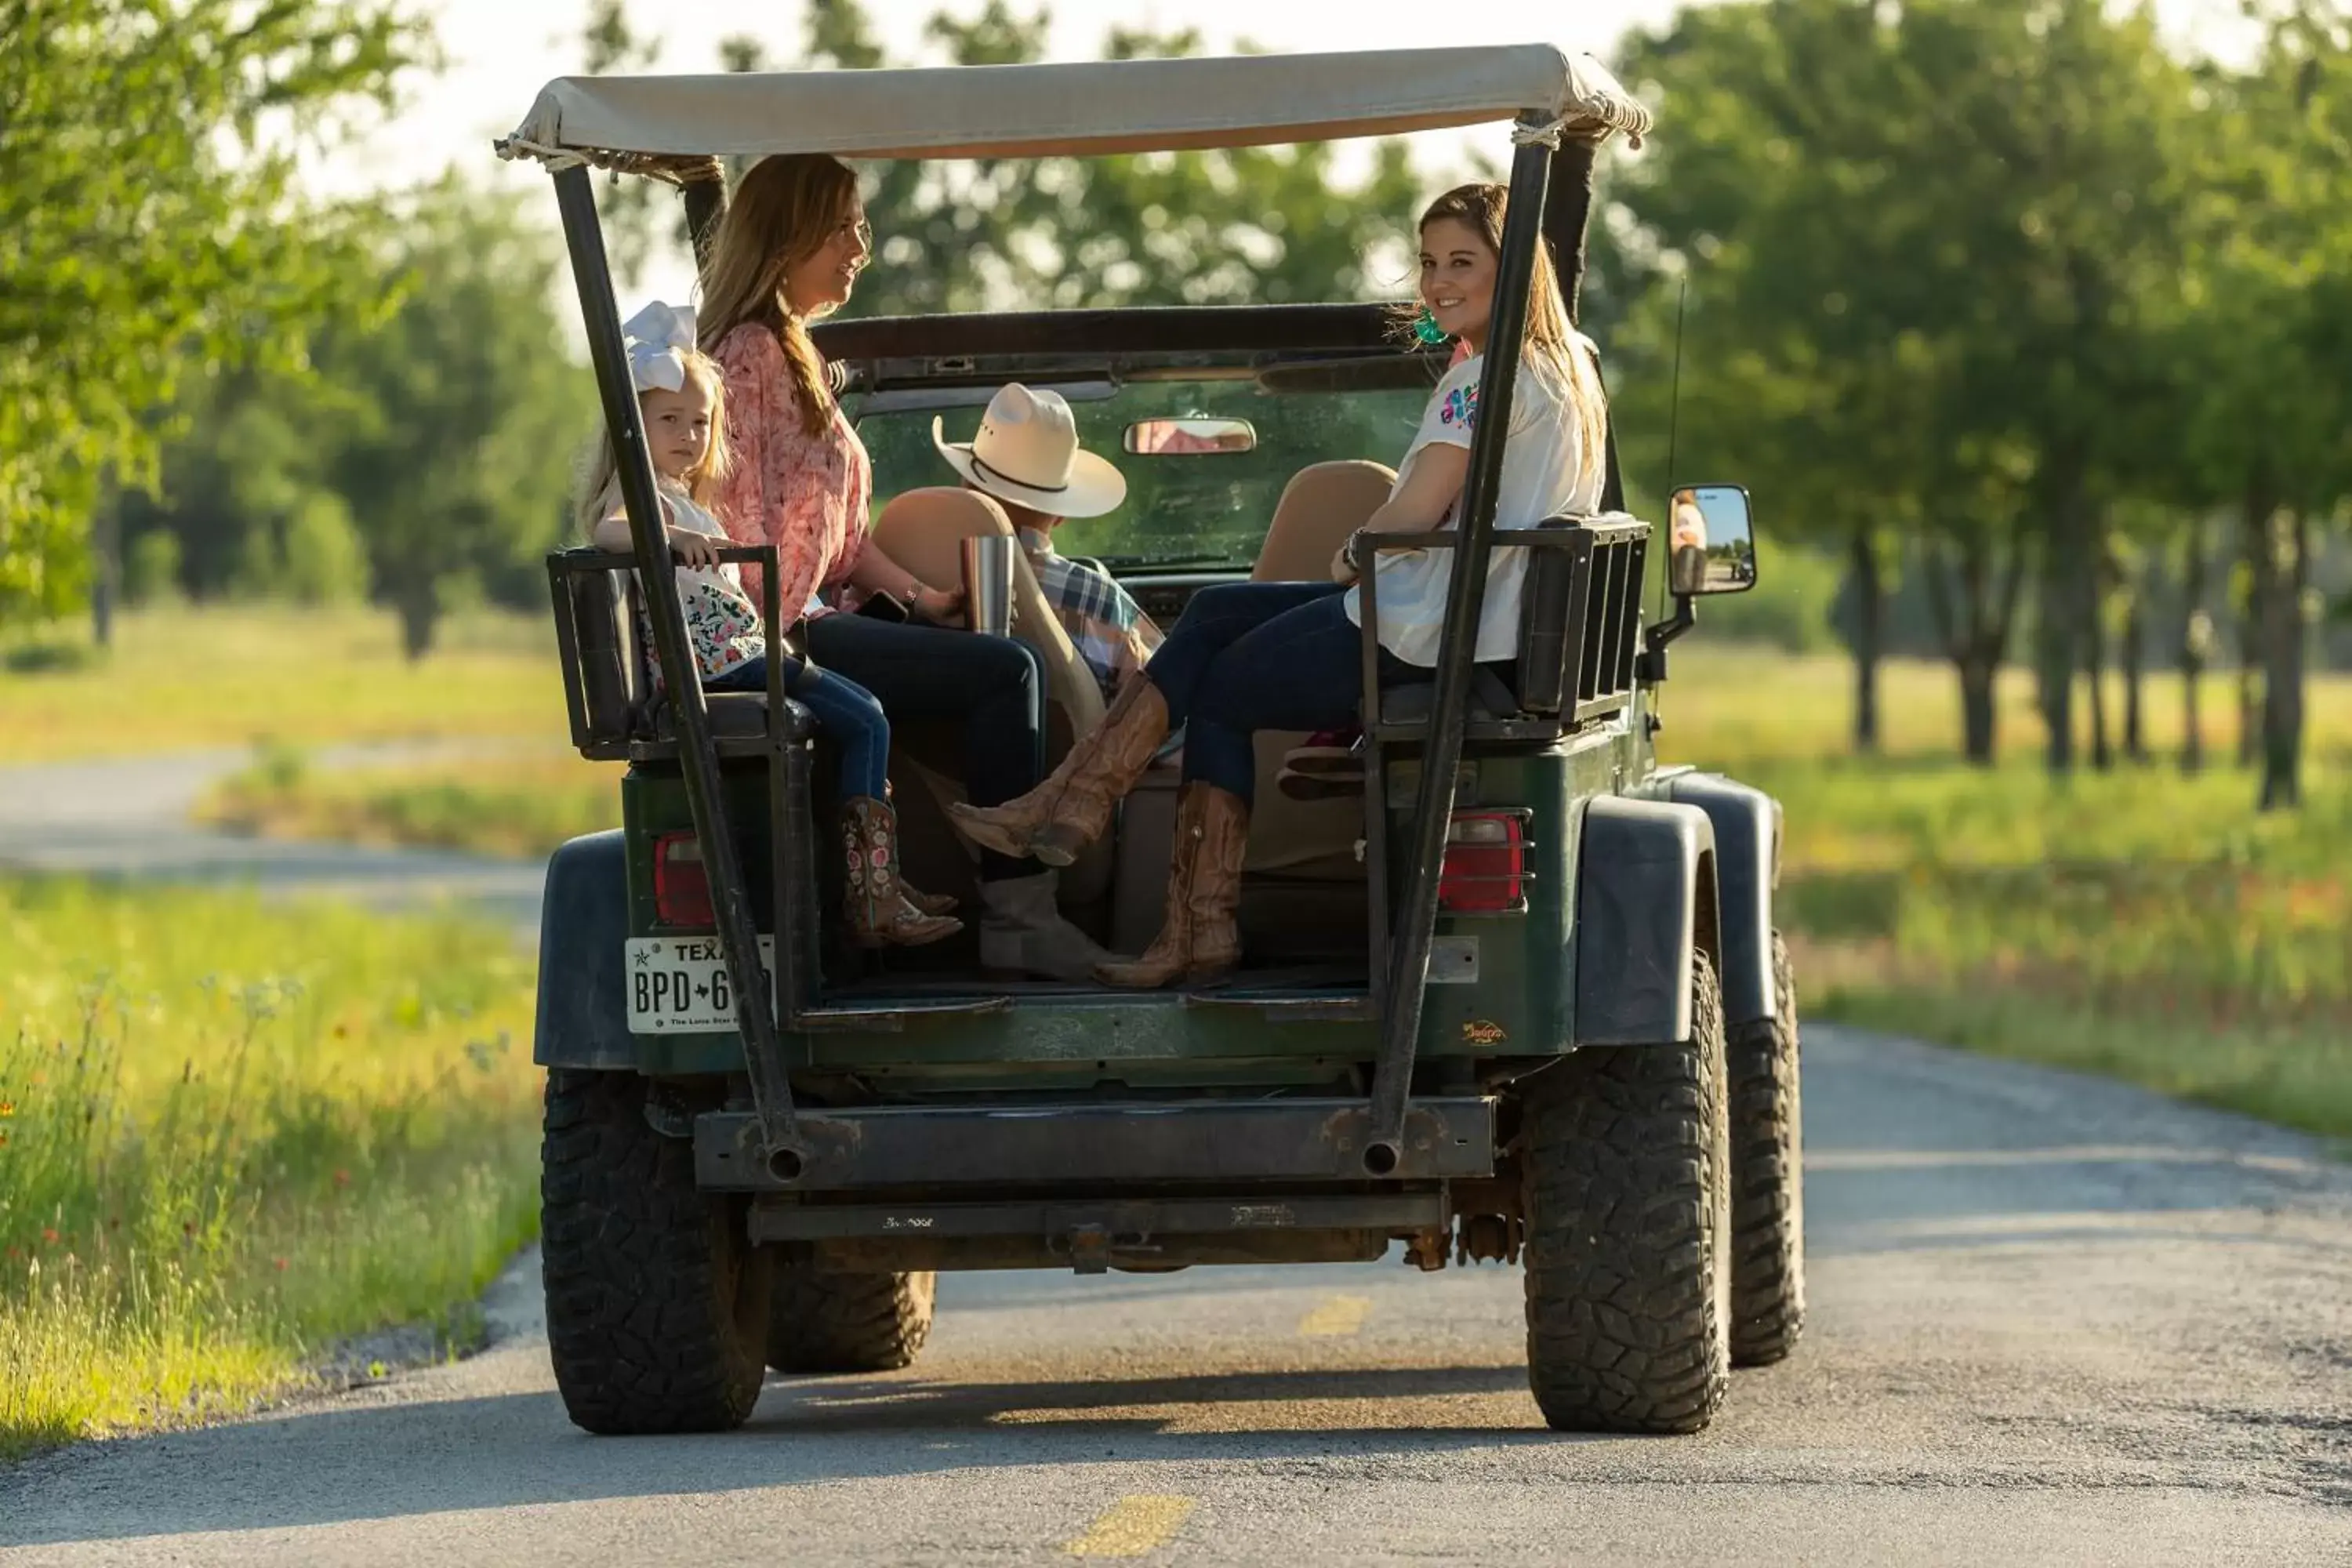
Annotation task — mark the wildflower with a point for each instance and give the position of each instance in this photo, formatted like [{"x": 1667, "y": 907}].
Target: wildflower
[
  {"x": 8, "y": 1108},
  {"x": 281, "y": 1263},
  {"x": 48, "y": 1236},
  {"x": 343, "y": 1178}
]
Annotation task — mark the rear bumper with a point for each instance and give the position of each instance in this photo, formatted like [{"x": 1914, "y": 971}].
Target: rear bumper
[{"x": 1236, "y": 1144}]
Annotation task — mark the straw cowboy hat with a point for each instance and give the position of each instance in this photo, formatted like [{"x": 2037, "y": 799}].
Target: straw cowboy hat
[{"x": 1027, "y": 453}]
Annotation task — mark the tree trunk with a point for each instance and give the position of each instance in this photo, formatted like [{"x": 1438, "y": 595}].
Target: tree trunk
[
  {"x": 1869, "y": 639},
  {"x": 2196, "y": 635},
  {"x": 2250, "y": 627},
  {"x": 1977, "y": 673},
  {"x": 2095, "y": 669},
  {"x": 2131, "y": 658},
  {"x": 105, "y": 569},
  {"x": 420, "y": 613},
  {"x": 2053, "y": 664},
  {"x": 2288, "y": 540}
]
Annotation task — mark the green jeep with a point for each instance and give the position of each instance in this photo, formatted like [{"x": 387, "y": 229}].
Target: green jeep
[{"x": 1516, "y": 998}]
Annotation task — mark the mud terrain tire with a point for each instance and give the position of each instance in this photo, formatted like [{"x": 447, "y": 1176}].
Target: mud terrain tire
[
  {"x": 847, "y": 1322},
  {"x": 1768, "y": 1188},
  {"x": 656, "y": 1302},
  {"x": 1626, "y": 1172}
]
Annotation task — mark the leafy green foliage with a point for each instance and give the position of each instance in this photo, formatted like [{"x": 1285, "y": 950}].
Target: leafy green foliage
[
  {"x": 415, "y": 453},
  {"x": 150, "y": 231},
  {"x": 1254, "y": 225}
]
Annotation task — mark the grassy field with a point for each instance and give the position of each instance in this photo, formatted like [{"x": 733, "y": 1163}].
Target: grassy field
[
  {"x": 523, "y": 805},
  {"x": 2136, "y": 923},
  {"x": 183, "y": 679},
  {"x": 231, "y": 1134}
]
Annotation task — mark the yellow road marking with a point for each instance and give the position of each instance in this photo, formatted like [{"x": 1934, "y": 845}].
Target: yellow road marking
[
  {"x": 1340, "y": 1315},
  {"x": 1132, "y": 1527}
]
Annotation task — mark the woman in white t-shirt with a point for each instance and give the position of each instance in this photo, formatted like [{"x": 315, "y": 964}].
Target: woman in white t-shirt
[{"x": 1247, "y": 657}]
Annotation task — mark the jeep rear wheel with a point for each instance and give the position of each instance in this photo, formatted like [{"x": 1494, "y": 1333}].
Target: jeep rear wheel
[
  {"x": 1627, "y": 1196},
  {"x": 847, "y": 1322},
  {"x": 1768, "y": 1187},
  {"x": 656, "y": 1303}
]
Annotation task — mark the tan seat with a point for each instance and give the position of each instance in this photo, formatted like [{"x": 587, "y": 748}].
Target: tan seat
[
  {"x": 923, "y": 531},
  {"x": 1320, "y": 507},
  {"x": 1322, "y": 504}
]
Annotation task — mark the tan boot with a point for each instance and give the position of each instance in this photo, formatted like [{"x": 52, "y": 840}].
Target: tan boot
[
  {"x": 874, "y": 903},
  {"x": 1198, "y": 940},
  {"x": 1070, "y": 809}
]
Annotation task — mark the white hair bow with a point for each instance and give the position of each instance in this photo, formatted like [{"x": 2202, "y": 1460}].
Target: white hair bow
[{"x": 660, "y": 337}]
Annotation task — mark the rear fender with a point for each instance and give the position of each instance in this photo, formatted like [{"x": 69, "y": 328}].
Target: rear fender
[
  {"x": 1644, "y": 899},
  {"x": 582, "y": 1020},
  {"x": 1747, "y": 863}
]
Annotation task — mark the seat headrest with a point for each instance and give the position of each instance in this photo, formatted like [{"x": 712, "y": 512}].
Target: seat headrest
[{"x": 1320, "y": 507}]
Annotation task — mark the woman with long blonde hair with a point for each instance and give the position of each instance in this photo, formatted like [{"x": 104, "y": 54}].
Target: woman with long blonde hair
[
  {"x": 1288, "y": 656},
  {"x": 788, "y": 252}
]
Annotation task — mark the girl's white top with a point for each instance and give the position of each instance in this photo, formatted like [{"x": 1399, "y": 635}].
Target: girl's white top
[
  {"x": 1543, "y": 477},
  {"x": 722, "y": 624}
]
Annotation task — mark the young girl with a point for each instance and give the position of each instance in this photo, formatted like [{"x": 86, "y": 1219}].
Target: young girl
[
  {"x": 680, "y": 391},
  {"x": 1288, "y": 656}
]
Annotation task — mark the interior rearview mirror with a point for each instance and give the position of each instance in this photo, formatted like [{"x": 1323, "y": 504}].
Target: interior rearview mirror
[
  {"x": 1172, "y": 437},
  {"x": 1711, "y": 546}
]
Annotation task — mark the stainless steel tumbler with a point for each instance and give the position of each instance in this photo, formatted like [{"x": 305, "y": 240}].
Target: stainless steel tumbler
[{"x": 988, "y": 583}]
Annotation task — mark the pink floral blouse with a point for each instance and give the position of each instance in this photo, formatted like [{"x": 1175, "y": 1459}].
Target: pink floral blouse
[{"x": 807, "y": 495}]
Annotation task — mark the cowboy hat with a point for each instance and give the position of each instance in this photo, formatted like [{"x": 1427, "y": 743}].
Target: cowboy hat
[{"x": 1027, "y": 453}]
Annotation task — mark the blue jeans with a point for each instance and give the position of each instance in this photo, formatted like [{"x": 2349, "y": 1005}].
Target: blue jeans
[
  {"x": 993, "y": 689},
  {"x": 1247, "y": 657},
  {"x": 846, "y": 710}
]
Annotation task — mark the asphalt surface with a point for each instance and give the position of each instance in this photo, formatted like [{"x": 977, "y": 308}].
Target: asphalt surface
[
  {"x": 2053, "y": 1321},
  {"x": 127, "y": 816}
]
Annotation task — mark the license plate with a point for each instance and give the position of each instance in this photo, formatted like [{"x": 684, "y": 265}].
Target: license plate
[{"x": 679, "y": 985}]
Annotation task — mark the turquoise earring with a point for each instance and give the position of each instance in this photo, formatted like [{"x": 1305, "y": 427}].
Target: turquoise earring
[{"x": 1425, "y": 329}]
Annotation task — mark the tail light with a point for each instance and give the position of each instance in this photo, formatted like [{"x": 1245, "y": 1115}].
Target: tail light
[
  {"x": 1485, "y": 867},
  {"x": 681, "y": 884}
]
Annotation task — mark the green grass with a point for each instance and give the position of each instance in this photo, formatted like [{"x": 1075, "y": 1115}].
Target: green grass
[
  {"x": 2139, "y": 921},
  {"x": 231, "y": 1134},
  {"x": 521, "y": 805},
  {"x": 181, "y": 679}
]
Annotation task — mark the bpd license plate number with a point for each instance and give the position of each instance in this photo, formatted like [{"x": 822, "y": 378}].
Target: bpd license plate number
[{"x": 679, "y": 985}]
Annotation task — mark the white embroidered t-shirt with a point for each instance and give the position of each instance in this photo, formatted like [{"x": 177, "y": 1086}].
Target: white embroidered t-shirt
[{"x": 1543, "y": 477}]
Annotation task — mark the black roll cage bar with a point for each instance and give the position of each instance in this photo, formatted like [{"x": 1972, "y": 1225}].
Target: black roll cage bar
[{"x": 1400, "y": 956}]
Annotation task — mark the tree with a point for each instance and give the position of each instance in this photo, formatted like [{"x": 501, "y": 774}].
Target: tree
[
  {"x": 150, "y": 228},
  {"x": 465, "y": 415},
  {"x": 1253, "y": 223}
]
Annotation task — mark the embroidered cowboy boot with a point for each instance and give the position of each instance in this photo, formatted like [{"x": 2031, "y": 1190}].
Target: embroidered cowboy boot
[
  {"x": 1199, "y": 941},
  {"x": 927, "y": 904},
  {"x": 877, "y": 909},
  {"x": 1070, "y": 809}
]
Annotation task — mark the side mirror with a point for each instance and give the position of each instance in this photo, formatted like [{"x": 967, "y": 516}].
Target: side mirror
[
  {"x": 1172, "y": 437},
  {"x": 1710, "y": 543}
]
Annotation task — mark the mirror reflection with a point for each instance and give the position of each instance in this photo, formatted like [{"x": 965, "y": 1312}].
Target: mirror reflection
[
  {"x": 1711, "y": 546},
  {"x": 1169, "y": 438}
]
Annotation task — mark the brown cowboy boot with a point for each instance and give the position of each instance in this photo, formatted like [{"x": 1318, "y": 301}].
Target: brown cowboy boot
[
  {"x": 873, "y": 902},
  {"x": 1070, "y": 809},
  {"x": 925, "y": 903},
  {"x": 1198, "y": 940}
]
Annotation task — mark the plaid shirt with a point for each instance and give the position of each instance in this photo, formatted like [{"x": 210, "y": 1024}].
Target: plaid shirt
[{"x": 1110, "y": 630}]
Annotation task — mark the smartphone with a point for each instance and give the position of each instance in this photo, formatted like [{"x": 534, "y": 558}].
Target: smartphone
[{"x": 883, "y": 607}]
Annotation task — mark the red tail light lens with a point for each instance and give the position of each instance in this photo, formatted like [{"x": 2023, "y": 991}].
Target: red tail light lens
[
  {"x": 1485, "y": 869},
  {"x": 681, "y": 885}
]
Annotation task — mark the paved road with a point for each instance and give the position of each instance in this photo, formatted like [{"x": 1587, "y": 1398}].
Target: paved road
[
  {"x": 127, "y": 816},
  {"x": 2054, "y": 1320}
]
